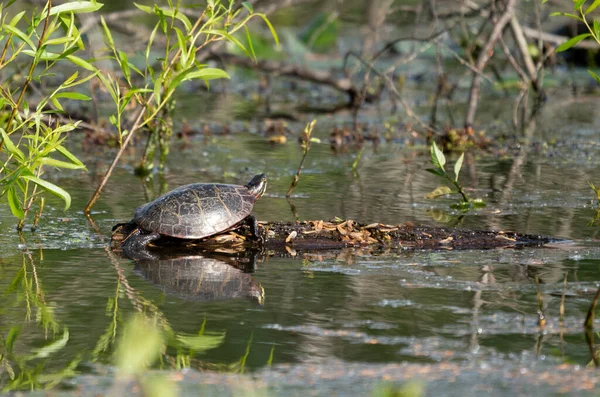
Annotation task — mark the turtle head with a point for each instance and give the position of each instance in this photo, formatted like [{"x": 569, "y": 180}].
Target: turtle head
[{"x": 257, "y": 186}]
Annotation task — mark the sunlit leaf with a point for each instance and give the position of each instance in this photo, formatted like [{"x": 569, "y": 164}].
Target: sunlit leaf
[
  {"x": 592, "y": 6},
  {"x": 14, "y": 30},
  {"x": 75, "y": 7},
  {"x": 14, "y": 203},
  {"x": 140, "y": 346},
  {"x": 124, "y": 63},
  {"x": 106, "y": 33},
  {"x": 439, "y": 191},
  {"x": 248, "y": 6},
  {"x": 566, "y": 14},
  {"x": 80, "y": 62},
  {"x": 56, "y": 104},
  {"x": 70, "y": 156},
  {"x": 571, "y": 42},
  {"x": 271, "y": 28},
  {"x": 44, "y": 55},
  {"x": 52, "y": 188},
  {"x": 595, "y": 76},
  {"x": 577, "y": 4},
  {"x": 68, "y": 24},
  {"x": 60, "y": 164},
  {"x": 169, "y": 13},
  {"x": 182, "y": 47},
  {"x": 53, "y": 347},
  {"x": 10, "y": 146},
  {"x": 206, "y": 74},
  {"x": 200, "y": 343},
  {"x": 72, "y": 95},
  {"x": 458, "y": 166},
  {"x": 15, "y": 20},
  {"x": 437, "y": 156}
]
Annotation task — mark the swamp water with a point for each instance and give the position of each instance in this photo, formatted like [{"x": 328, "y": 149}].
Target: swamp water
[{"x": 449, "y": 322}]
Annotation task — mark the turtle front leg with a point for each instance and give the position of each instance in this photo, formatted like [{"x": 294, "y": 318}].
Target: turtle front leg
[
  {"x": 253, "y": 224},
  {"x": 135, "y": 245}
]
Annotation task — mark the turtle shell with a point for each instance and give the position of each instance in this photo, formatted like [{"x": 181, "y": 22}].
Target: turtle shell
[{"x": 197, "y": 210}]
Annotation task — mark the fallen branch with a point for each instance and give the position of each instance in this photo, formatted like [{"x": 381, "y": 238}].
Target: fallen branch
[{"x": 341, "y": 84}]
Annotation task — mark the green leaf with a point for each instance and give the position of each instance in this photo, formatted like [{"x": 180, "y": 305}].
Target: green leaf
[
  {"x": 124, "y": 63},
  {"x": 80, "y": 62},
  {"x": 248, "y": 6},
  {"x": 15, "y": 20},
  {"x": 53, "y": 347},
  {"x": 73, "y": 95},
  {"x": 458, "y": 166},
  {"x": 438, "y": 192},
  {"x": 183, "y": 48},
  {"x": 578, "y": 4},
  {"x": 592, "y": 7},
  {"x": 167, "y": 12},
  {"x": 596, "y": 28},
  {"x": 566, "y": 14},
  {"x": 43, "y": 55},
  {"x": 14, "y": 30},
  {"x": 107, "y": 35},
  {"x": 595, "y": 76},
  {"x": 10, "y": 146},
  {"x": 13, "y": 202},
  {"x": 224, "y": 34},
  {"x": 56, "y": 103},
  {"x": 571, "y": 42},
  {"x": 271, "y": 28},
  {"x": 70, "y": 156},
  {"x": 206, "y": 74},
  {"x": 250, "y": 46},
  {"x": 200, "y": 343},
  {"x": 68, "y": 24},
  {"x": 76, "y": 7},
  {"x": 60, "y": 164},
  {"x": 52, "y": 188},
  {"x": 437, "y": 156}
]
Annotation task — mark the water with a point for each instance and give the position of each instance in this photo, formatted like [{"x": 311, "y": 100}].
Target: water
[
  {"x": 327, "y": 319},
  {"x": 324, "y": 323}
]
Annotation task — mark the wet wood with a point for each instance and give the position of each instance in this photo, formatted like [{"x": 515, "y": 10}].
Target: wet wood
[{"x": 328, "y": 235}]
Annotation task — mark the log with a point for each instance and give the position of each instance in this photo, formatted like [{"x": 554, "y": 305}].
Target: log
[{"x": 319, "y": 235}]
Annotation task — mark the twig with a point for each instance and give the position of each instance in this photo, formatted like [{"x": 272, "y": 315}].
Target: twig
[{"x": 316, "y": 76}]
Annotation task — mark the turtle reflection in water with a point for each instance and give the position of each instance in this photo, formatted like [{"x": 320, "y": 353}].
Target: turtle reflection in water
[
  {"x": 202, "y": 278},
  {"x": 195, "y": 211}
]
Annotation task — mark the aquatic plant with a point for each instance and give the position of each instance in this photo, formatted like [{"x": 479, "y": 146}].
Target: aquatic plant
[
  {"x": 33, "y": 134},
  {"x": 439, "y": 162}
]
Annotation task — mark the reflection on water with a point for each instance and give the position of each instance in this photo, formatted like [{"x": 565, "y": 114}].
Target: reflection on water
[{"x": 199, "y": 277}]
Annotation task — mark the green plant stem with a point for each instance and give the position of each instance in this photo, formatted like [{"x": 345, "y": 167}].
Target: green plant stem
[{"x": 460, "y": 190}]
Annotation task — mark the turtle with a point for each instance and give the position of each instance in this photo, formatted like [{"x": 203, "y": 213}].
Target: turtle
[{"x": 195, "y": 211}]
